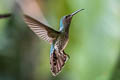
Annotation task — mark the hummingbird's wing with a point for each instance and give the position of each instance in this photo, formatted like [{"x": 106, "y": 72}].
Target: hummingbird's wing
[{"x": 43, "y": 31}]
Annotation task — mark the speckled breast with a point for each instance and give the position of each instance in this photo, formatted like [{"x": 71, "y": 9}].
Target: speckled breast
[{"x": 61, "y": 42}]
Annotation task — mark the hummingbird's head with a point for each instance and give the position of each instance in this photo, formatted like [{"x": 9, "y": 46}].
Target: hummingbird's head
[{"x": 66, "y": 20}]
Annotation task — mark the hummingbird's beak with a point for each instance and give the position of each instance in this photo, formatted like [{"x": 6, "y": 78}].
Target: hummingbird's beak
[
  {"x": 69, "y": 17},
  {"x": 76, "y": 12}
]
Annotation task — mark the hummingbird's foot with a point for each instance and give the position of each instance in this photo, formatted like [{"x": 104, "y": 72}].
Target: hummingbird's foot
[{"x": 66, "y": 54}]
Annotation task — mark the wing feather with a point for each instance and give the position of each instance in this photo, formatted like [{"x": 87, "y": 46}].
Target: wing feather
[{"x": 43, "y": 31}]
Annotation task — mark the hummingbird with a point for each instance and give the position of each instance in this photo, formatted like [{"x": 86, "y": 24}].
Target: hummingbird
[{"x": 57, "y": 39}]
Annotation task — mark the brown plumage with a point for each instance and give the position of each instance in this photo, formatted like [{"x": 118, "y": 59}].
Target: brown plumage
[
  {"x": 57, "y": 61},
  {"x": 41, "y": 30},
  {"x": 57, "y": 58}
]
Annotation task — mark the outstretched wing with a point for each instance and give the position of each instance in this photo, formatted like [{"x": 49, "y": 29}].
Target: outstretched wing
[{"x": 43, "y": 31}]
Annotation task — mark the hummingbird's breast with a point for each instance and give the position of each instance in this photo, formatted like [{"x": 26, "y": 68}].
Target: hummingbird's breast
[{"x": 61, "y": 42}]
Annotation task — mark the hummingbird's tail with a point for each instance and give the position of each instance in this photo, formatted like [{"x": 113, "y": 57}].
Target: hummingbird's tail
[{"x": 57, "y": 61}]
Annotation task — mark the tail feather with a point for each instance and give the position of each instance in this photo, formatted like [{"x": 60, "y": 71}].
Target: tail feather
[{"x": 57, "y": 61}]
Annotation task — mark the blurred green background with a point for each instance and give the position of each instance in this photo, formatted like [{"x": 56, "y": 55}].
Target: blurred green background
[{"x": 94, "y": 45}]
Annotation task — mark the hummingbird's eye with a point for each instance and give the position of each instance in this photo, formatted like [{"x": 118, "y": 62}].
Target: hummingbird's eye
[{"x": 67, "y": 16}]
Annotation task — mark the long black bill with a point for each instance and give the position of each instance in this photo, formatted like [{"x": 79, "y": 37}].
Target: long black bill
[{"x": 76, "y": 12}]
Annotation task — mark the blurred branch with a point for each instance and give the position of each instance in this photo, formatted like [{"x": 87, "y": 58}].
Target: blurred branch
[{"x": 5, "y": 15}]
